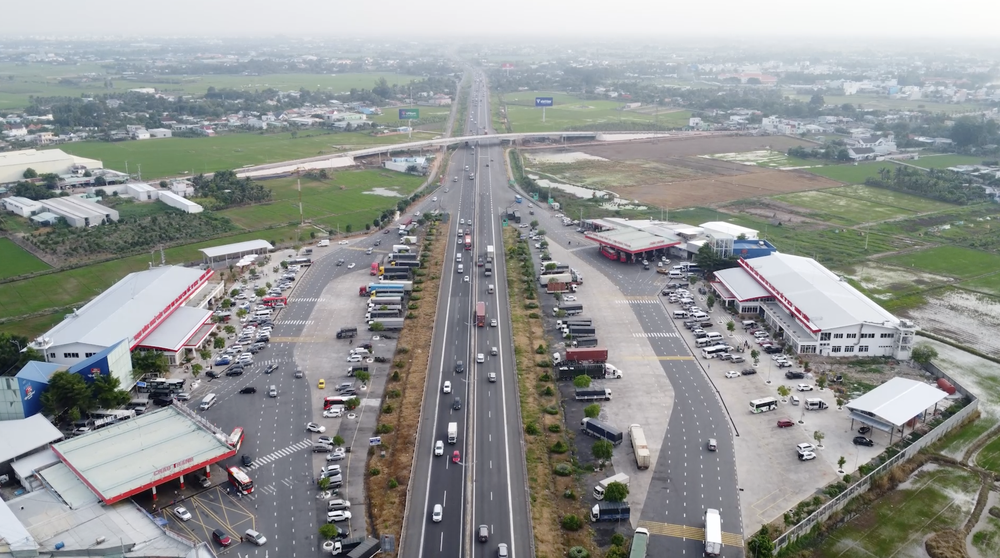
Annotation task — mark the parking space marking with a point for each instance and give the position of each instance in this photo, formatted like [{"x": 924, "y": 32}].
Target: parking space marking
[{"x": 687, "y": 532}]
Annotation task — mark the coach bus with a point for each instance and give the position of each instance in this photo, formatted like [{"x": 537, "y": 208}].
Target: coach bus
[
  {"x": 274, "y": 301},
  {"x": 235, "y": 439},
  {"x": 240, "y": 480},
  {"x": 714, "y": 351}
]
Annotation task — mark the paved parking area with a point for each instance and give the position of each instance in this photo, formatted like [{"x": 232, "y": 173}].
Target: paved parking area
[{"x": 772, "y": 478}]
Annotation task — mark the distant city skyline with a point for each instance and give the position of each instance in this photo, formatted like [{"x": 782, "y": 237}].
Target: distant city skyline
[{"x": 452, "y": 19}]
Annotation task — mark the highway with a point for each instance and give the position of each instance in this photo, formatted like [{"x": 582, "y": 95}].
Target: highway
[{"x": 486, "y": 486}]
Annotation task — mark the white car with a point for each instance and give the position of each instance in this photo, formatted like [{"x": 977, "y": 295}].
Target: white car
[
  {"x": 522, "y": 226},
  {"x": 354, "y": 358},
  {"x": 805, "y": 447},
  {"x": 245, "y": 358},
  {"x": 342, "y": 242},
  {"x": 438, "y": 514},
  {"x": 447, "y": 387},
  {"x": 350, "y": 265},
  {"x": 732, "y": 374},
  {"x": 182, "y": 513},
  {"x": 569, "y": 298},
  {"x": 434, "y": 199},
  {"x": 337, "y": 516},
  {"x": 333, "y": 412},
  {"x": 480, "y": 358},
  {"x": 807, "y": 456},
  {"x": 804, "y": 387},
  {"x": 465, "y": 279},
  {"x": 439, "y": 448},
  {"x": 330, "y": 470},
  {"x": 493, "y": 323},
  {"x": 313, "y": 427},
  {"x": 336, "y": 455}
]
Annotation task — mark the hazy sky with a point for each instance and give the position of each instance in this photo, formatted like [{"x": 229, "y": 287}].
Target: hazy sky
[{"x": 873, "y": 19}]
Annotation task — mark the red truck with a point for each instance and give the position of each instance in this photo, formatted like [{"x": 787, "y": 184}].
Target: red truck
[
  {"x": 374, "y": 269},
  {"x": 481, "y": 314},
  {"x": 590, "y": 354}
]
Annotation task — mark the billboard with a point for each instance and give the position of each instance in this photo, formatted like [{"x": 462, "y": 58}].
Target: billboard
[
  {"x": 543, "y": 101},
  {"x": 409, "y": 114},
  {"x": 506, "y": 66}
]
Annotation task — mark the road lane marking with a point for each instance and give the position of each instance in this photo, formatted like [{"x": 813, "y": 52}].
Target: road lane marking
[{"x": 659, "y": 358}]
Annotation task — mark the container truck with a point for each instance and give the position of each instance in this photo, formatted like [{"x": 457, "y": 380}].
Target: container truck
[
  {"x": 367, "y": 549},
  {"x": 598, "y": 429},
  {"x": 578, "y": 321},
  {"x": 407, "y": 286},
  {"x": 593, "y": 394},
  {"x": 596, "y": 371},
  {"x": 489, "y": 253},
  {"x": 480, "y": 314},
  {"x": 468, "y": 242},
  {"x": 388, "y": 324},
  {"x": 582, "y": 331},
  {"x": 396, "y": 276},
  {"x": 452, "y": 432},
  {"x": 603, "y": 485},
  {"x": 713, "y": 532},
  {"x": 383, "y": 307},
  {"x": 400, "y": 248},
  {"x": 569, "y": 309},
  {"x": 554, "y": 287},
  {"x": 517, "y": 216},
  {"x": 343, "y": 546},
  {"x": 596, "y": 354},
  {"x": 377, "y": 300},
  {"x": 586, "y": 341},
  {"x": 639, "y": 542},
  {"x": 401, "y": 257},
  {"x": 639, "y": 446},
  {"x": 347, "y": 333},
  {"x": 544, "y": 280},
  {"x": 379, "y": 315},
  {"x": 610, "y": 511},
  {"x": 395, "y": 269},
  {"x": 408, "y": 240},
  {"x": 389, "y": 289}
]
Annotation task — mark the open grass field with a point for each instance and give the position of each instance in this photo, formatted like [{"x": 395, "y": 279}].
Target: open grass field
[
  {"x": 885, "y": 103},
  {"x": 345, "y": 199},
  {"x": 191, "y": 156},
  {"x": 17, "y": 261},
  {"x": 945, "y": 161},
  {"x": 853, "y": 205},
  {"x": 890, "y": 198},
  {"x": 948, "y": 260},
  {"x": 47, "y": 81},
  {"x": 852, "y": 174},
  {"x": 568, "y": 111},
  {"x": 66, "y": 289},
  {"x": 935, "y": 498}
]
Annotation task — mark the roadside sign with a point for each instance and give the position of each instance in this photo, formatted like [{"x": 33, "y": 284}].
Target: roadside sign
[
  {"x": 543, "y": 101},
  {"x": 140, "y": 384},
  {"x": 505, "y": 222},
  {"x": 375, "y": 441},
  {"x": 409, "y": 114}
]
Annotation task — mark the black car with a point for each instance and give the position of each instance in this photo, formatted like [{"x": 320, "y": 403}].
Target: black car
[
  {"x": 772, "y": 350},
  {"x": 793, "y": 375},
  {"x": 245, "y": 459},
  {"x": 162, "y": 401},
  {"x": 270, "y": 368},
  {"x": 862, "y": 441},
  {"x": 248, "y": 389},
  {"x": 864, "y": 430},
  {"x": 748, "y": 371},
  {"x": 213, "y": 374},
  {"x": 235, "y": 370},
  {"x": 459, "y": 367},
  {"x": 457, "y": 404},
  {"x": 349, "y": 392},
  {"x": 378, "y": 242}
]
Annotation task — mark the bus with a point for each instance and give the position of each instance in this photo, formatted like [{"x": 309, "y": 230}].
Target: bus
[
  {"x": 275, "y": 301},
  {"x": 714, "y": 351},
  {"x": 240, "y": 480},
  {"x": 517, "y": 198},
  {"x": 468, "y": 242},
  {"x": 481, "y": 314},
  {"x": 763, "y": 405},
  {"x": 301, "y": 262},
  {"x": 235, "y": 439}
]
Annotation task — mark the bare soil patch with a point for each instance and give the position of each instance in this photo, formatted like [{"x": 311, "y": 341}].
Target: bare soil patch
[
  {"x": 707, "y": 191},
  {"x": 969, "y": 318},
  {"x": 776, "y": 211},
  {"x": 665, "y": 149}
]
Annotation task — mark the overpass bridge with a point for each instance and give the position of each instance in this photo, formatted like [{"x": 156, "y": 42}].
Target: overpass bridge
[{"x": 346, "y": 159}]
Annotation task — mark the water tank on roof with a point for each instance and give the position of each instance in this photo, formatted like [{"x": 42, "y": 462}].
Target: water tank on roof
[{"x": 946, "y": 386}]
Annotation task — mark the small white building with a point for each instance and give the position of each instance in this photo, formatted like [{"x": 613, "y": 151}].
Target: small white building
[
  {"x": 22, "y": 206},
  {"x": 184, "y": 204},
  {"x": 160, "y": 133},
  {"x": 141, "y": 191},
  {"x": 79, "y": 212}
]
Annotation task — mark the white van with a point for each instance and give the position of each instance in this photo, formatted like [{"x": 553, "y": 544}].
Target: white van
[
  {"x": 679, "y": 314},
  {"x": 675, "y": 275},
  {"x": 458, "y": 257},
  {"x": 747, "y": 324},
  {"x": 323, "y": 243},
  {"x": 208, "y": 401},
  {"x": 459, "y": 269},
  {"x": 490, "y": 289},
  {"x": 263, "y": 313},
  {"x": 715, "y": 336}
]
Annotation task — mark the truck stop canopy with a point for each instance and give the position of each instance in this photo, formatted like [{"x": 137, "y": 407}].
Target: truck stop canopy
[
  {"x": 894, "y": 403},
  {"x": 236, "y": 251}
]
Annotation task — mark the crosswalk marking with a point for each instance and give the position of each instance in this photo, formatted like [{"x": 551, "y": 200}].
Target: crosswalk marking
[
  {"x": 293, "y": 322},
  {"x": 306, "y": 299},
  {"x": 687, "y": 532},
  {"x": 278, "y": 454},
  {"x": 655, "y": 334},
  {"x": 638, "y": 300}
]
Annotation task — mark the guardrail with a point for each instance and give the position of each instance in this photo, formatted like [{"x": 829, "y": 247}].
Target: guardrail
[{"x": 862, "y": 486}]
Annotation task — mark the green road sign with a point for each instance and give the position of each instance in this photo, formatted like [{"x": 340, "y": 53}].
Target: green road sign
[
  {"x": 409, "y": 114},
  {"x": 505, "y": 222}
]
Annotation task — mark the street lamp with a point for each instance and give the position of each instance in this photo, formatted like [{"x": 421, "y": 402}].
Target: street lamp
[{"x": 16, "y": 342}]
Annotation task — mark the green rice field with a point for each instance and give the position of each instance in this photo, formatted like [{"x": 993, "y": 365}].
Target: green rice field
[
  {"x": 17, "y": 261},
  {"x": 570, "y": 112}
]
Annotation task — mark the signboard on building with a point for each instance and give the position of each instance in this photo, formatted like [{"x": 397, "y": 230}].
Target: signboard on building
[
  {"x": 409, "y": 114},
  {"x": 543, "y": 101}
]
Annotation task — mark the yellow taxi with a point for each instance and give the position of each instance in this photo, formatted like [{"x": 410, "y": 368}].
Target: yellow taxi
[{"x": 321, "y": 384}]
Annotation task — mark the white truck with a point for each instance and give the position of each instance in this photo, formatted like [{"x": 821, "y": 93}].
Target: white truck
[
  {"x": 713, "y": 533},
  {"x": 489, "y": 254},
  {"x": 452, "y": 432},
  {"x": 639, "y": 446},
  {"x": 603, "y": 485}
]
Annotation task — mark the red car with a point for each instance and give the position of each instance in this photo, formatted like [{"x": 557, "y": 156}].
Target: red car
[
  {"x": 221, "y": 537},
  {"x": 785, "y": 423},
  {"x": 455, "y": 458}
]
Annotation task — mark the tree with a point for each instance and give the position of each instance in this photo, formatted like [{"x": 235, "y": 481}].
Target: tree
[
  {"x": 783, "y": 391},
  {"x": 761, "y": 545},
  {"x": 821, "y": 382},
  {"x": 603, "y": 449},
  {"x": 923, "y": 353},
  {"x": 12, "y": 358},
  {"x": 323, "y": 483},
  {"x": 30, "y": 173},
  {"x": 817, "y": 100},
  {"x": 204, "y": 353},
  {"x": 106, "y": 392},
  {"x": 149, "y": 362},
  {"x": 100, "y": 181},
  {"x": 582, "y": 381},
  {"x": 328, "y": 531},
  {"x": 710, "y": 301},
  {"x": 534, "y": 224},
  {"x": 259, "y": 292},
  {"x": 229, "y": 329},
  {"x": 101, "y": 193},
  {"x": 616, "y": 492},
  {"x": 67, "y": 396},
  {"x": 362, "y": 376},
  {"x": 196, "y": 369},
  {"x": 840, "y": 463},
  {"x": 592, "y": 411},
  {"x": 731, "y": 326},
  {"x": 219, "y": 343},
  {"x": 818, "y": 436},
  {"x": 755, "y": 355}
]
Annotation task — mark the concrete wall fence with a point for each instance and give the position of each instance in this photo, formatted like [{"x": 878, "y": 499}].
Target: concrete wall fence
[{"x": 837, "y": 503}]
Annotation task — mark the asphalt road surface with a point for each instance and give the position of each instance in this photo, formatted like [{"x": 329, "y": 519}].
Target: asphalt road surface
[{"x": 486, "y": 486}]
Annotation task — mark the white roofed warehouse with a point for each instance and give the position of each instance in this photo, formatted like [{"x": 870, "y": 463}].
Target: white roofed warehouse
[
  {"x": 48, "y": 161},
  {"x": 812, "y": 309}
]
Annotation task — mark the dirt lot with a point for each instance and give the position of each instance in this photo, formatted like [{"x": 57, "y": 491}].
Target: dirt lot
[
  {"x": 706, "y": 191},
  {"x": 666, "y": 150}
]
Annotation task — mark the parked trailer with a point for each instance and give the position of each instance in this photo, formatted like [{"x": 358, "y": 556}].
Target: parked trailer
[
  {"x": 598, "y": 429},
  {"x": 569, "y": 309},
  {"x": 570, "y": 371},
  {"x": 554, "y": 287},
  {"x": 384, "y": 307},
  {"x": 409, "y": 264},
  {"x": 388, "y": 324},
  {"x": 586, "y": 341},
  {"x": 396, "y": 269},
  {"x": 347, "y": 333},
  {"x": 596, "y": 354},
  {"x": 593, "y": 394},
  {"x": 377, "y": 315},
  {"x": 603, "y": 485},
  {"x": 639, "y": 446},
  {"x": 544, "y": 280},
  {"x": 406, "y": 285},
  {"x": 610, "y": 511},
  {"x": 396, "y": 276},
  {"x": 713, "y": 532},
  {"x": 377, "y": 300},
  {"x": 578, "y": 321},
  {"x": 639, "y": 542},
  {"x": 582, "y": 331},
  {"x": 367, "y": 549},
  {"x": 401, "y": 257}
]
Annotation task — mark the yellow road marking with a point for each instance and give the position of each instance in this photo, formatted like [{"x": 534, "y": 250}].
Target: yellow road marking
[{"x": 688, "y": 532}]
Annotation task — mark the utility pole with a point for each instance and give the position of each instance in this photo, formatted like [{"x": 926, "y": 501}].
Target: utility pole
[{"x": 298, "y": 181}]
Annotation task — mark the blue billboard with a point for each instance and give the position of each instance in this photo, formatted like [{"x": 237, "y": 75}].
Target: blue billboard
[{"x": 543, "y": 101}]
